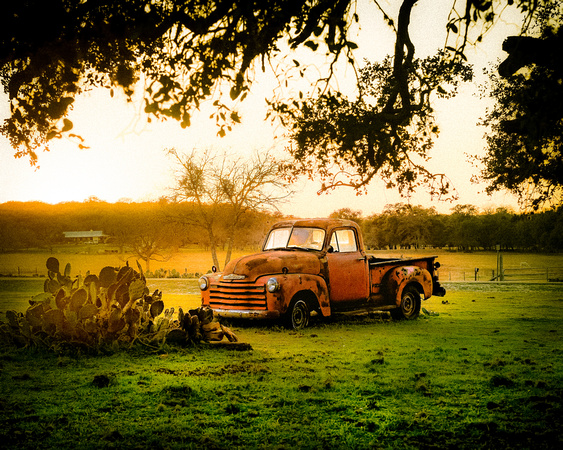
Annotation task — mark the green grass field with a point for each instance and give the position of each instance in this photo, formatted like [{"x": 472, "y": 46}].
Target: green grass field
[{"x": 485, "y": 372}]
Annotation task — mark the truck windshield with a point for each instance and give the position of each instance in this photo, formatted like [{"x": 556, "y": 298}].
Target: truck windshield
[{"x": 296, "y": 237}]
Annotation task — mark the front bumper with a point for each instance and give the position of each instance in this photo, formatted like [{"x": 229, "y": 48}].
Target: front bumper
[
  {"x": 245, "y": 314},
  {"x": 438, "y": 290}
]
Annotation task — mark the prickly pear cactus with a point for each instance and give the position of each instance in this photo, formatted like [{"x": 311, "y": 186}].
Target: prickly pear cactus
[{"x": 109, "y": 309}]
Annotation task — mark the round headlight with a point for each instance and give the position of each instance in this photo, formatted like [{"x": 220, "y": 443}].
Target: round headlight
[
  {"x": 273, "y": 285},
  {"x": 203, "y": 283}
]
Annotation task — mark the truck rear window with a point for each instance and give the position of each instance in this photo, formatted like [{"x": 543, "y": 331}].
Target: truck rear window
[{"x": 344, "y": 241}]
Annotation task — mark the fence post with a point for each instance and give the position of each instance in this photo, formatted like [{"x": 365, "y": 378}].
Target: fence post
[{"x": 500, "y": 269}]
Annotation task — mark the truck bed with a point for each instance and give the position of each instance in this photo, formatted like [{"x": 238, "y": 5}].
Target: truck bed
[{"x": 374, "y": 261}]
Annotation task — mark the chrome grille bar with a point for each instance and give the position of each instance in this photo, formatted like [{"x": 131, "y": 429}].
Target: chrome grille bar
[{"x": 237, "y": 295}]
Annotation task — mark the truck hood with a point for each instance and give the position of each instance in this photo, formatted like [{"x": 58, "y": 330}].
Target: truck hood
[{"x": 272, "y": 262}]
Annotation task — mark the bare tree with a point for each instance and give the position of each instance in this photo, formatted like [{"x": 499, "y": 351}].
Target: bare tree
[
  {"x": 212, "y": 184},
  {"x": 149, "y": 237}
]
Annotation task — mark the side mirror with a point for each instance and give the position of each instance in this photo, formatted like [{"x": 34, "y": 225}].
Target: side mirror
[{"x": 330, "y": 249}]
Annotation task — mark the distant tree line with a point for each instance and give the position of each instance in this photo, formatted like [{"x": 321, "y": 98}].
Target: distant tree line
[
  {"x": 466, "y": 228},
  {"x": 142, "y": 228},
  {"x": 139, "y": 228}
]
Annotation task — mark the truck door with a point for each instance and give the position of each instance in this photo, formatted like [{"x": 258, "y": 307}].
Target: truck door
[{"x": 347, "y": 269}]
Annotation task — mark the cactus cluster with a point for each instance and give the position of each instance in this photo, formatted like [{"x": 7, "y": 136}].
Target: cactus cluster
[{"x": 109, "y": 309}]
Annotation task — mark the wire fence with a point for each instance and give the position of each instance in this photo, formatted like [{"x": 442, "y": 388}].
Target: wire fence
[
  {"x": 538, "y": 274},
  {"x": 23, "y": 272}
]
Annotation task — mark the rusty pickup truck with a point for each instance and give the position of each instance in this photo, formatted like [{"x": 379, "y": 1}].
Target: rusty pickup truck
[{"x": 318, "y": 266}]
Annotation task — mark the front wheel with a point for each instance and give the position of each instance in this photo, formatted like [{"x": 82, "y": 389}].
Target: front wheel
[
  {"x": 410, "y": 304},
  {"x": 298, "y": 315}
]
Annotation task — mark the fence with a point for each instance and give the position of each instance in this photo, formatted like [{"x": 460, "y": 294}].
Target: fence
[
  {"x": 544, "y": 274},
  {"x": 534, "y": 274},
  {"x": 23, "y": 272}
]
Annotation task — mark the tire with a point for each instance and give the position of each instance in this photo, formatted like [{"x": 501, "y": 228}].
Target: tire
[
  {"x": 298, "y": 315},
  {"x": 410, "y": 304}
]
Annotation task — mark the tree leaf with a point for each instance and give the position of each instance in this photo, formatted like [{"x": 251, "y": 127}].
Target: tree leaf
[
  {"x": 67, "y": 125},
  {"x": 312, "y": 45},
  {"x": 235, "y": 117}
]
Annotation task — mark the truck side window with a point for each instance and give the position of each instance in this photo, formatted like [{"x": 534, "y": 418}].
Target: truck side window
[{"x": 344, "y": 241}]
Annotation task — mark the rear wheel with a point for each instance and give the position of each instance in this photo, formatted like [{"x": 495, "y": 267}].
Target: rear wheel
[
  {"x": 410, "y": 304},
  {"x": 298, "y": 315}
]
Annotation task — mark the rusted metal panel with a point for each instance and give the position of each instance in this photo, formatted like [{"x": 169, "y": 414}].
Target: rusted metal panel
[
  {"x": 348, "y": 277},
  {"x": 273, "y": 262},
  {"x": 294, "y": 284},
  {"x": 226, "y": 297},
  {"x": 400, "y": 277},
  {"x": 326, "y": 224}
]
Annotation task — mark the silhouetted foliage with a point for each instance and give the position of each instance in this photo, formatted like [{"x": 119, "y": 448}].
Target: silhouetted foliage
[
  {"x": 189, "y": 51},
  {"x": 525, "y": 141},
  {"x": 386, "y": 132}
]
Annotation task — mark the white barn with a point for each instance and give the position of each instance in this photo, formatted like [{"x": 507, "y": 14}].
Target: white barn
[{"x": 88, "y": 237}]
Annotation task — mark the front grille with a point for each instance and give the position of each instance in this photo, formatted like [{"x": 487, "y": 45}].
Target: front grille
[{"x": 237, "y": 296}]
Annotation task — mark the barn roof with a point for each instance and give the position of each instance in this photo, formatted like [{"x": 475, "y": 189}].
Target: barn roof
[{"x": 83, "y": 234}]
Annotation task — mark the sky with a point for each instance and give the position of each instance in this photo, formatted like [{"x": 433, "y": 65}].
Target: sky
[{"x": 126, "y": 158}]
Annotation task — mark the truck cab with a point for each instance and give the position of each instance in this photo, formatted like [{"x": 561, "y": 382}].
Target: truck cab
[{"x": 320, "y": 266}]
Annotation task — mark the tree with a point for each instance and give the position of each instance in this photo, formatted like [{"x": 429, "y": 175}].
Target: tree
[
  {"x": 412, "y": 226},
  {"x": 525, "y": 137},
  {"x": 151, "y": 238},
  {"x": 348, "y": 214},
  {"x": 402, "y": 225},
  {"x": 187, "y": 51},
  {"x": 225, "y": 186},
  {"x": 464, "y": 227},
  {"x": 387, "y": 131}
]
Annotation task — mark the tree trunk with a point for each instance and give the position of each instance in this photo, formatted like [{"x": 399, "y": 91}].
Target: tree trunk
[
  {"x": 213, "y": 246},
  {"x": 214, "y": 256},
  {"x": 229, "y": 250},
  {"x": 231, "y": 238}
]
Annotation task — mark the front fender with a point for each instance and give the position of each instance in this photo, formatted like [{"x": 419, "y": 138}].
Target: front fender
[
  {"x": 401, "y": 276},
  {"x": 292, "y": 284}
]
